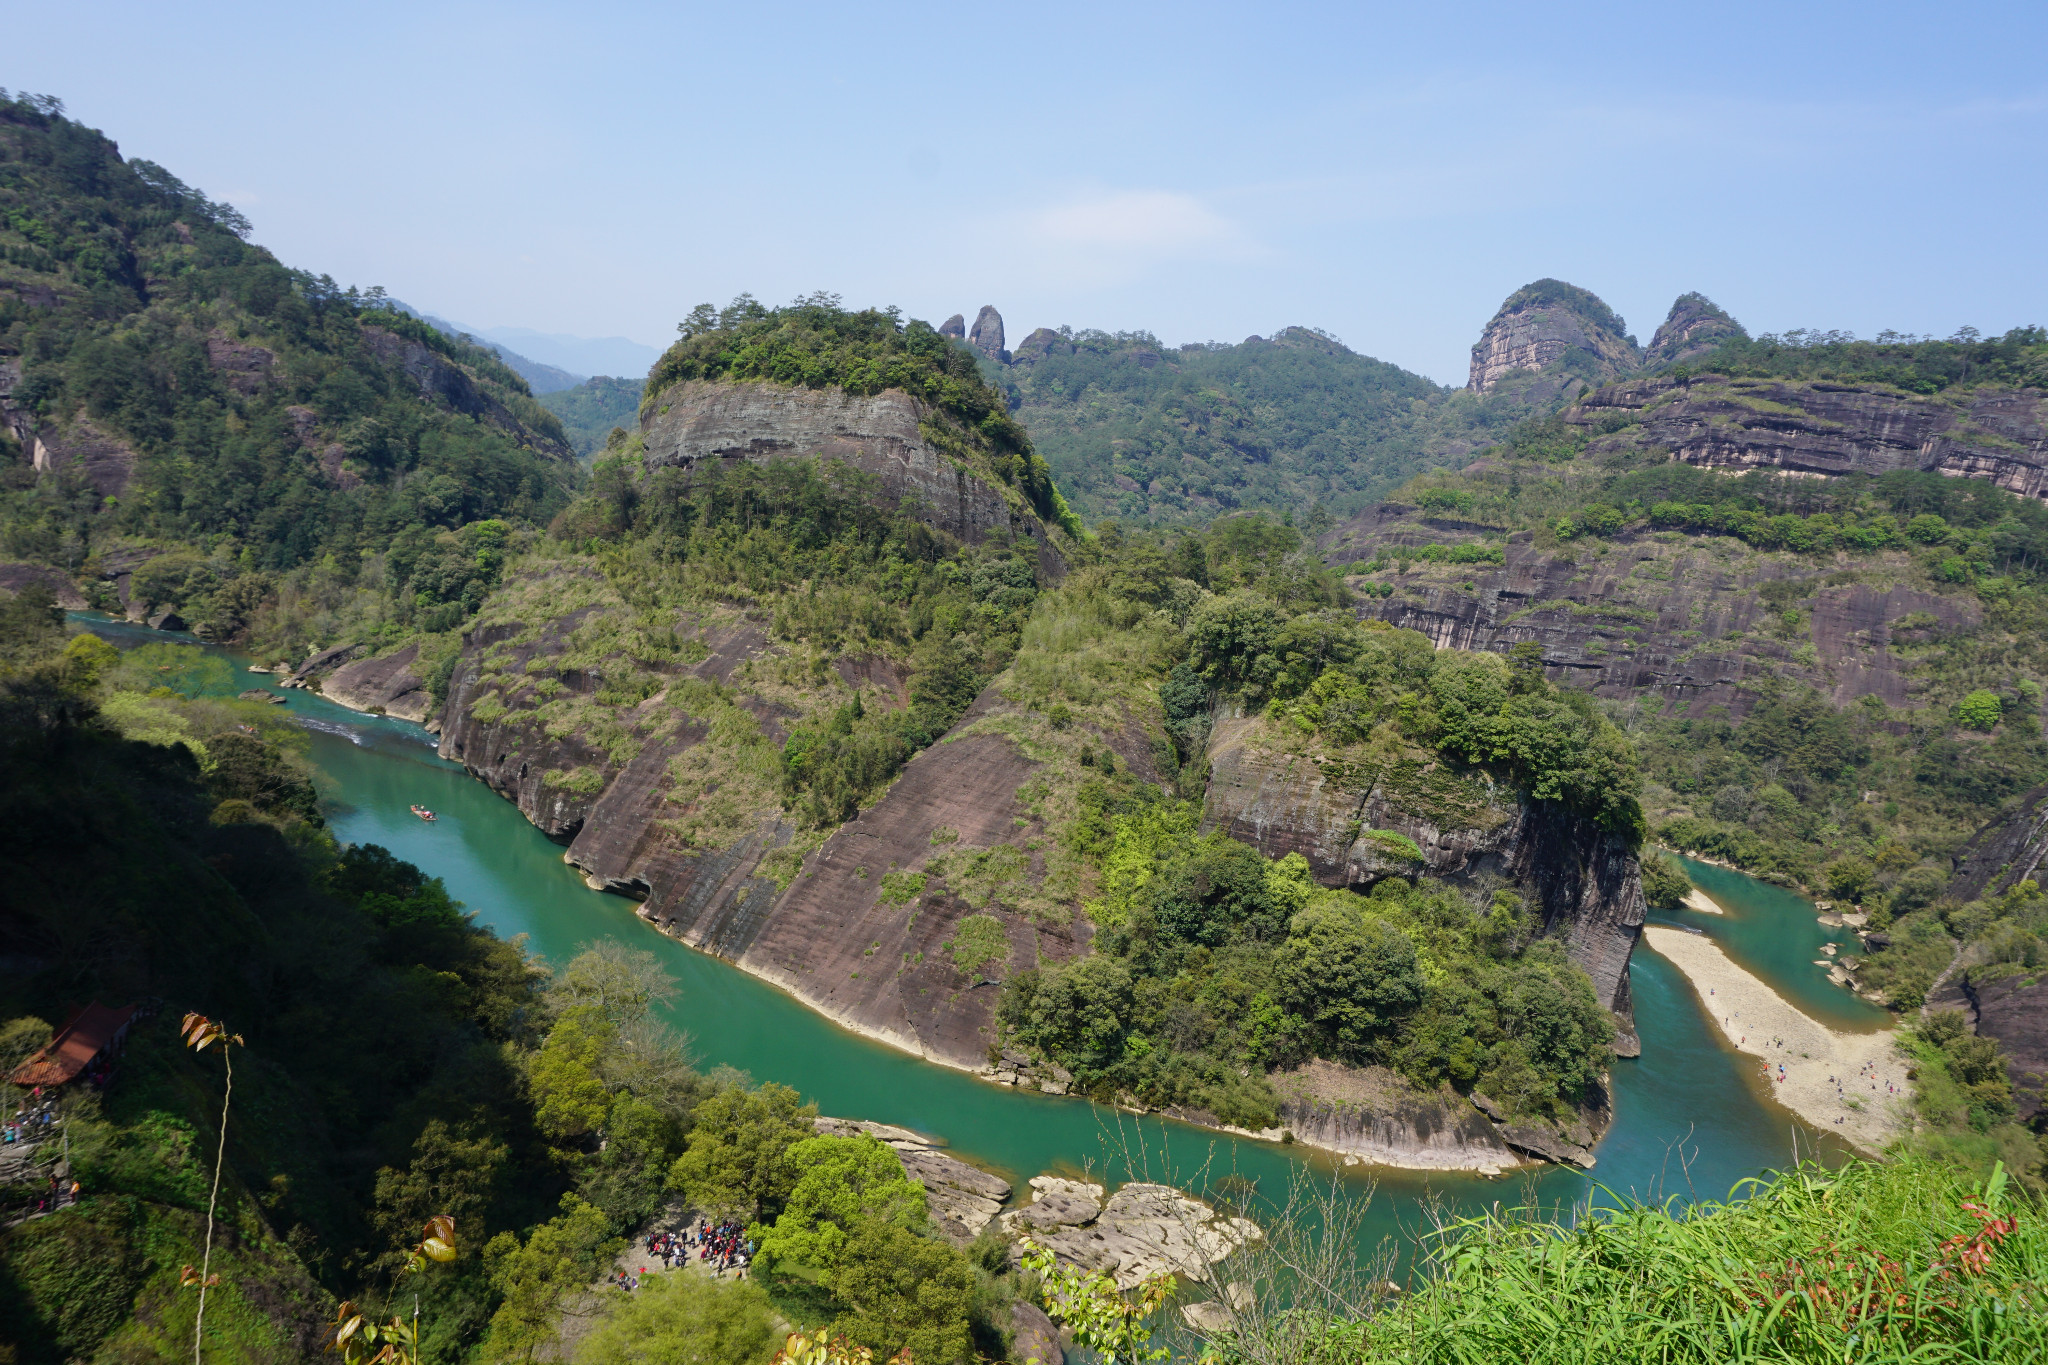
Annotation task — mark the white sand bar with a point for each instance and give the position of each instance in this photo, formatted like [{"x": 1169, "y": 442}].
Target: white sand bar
[{"x": 1853, "y": 1084}]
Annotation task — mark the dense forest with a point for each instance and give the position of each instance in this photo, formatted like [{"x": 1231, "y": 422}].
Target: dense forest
[
  {"x": 590, "y": 411},
  {"x": 1150, "y": 433}
]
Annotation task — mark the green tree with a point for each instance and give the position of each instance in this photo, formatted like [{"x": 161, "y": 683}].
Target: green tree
[
  {"x": 455, "y": 1173},
  {"x": 682, "y": 1319},
  {"x": 1348, "y": 972},
  {"x": 570, "y": 1097},
  {"x": 563, "y": 1256},
  {"x": 842, "y": 1181},
  {"x": 736, "y": 1163},
  {"x": 1665, "y": 885},
  {"x": 1979, "y": 711},
  {"x": 904, "y": 1292}
]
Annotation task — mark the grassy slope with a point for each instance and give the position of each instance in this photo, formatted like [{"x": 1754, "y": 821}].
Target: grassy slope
[{"x": 1872, "y": 1262}]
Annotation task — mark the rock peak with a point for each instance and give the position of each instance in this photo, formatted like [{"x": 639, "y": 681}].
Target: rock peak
[
  {"x": 1695, "y": 326},
  {"x": 955, "y": 326},
  {"x": 987, "y": 333},
  {"x": 1549, "y": 324}
]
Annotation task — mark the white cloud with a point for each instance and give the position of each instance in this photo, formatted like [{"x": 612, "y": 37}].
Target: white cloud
[{"x": 1160, "y": 221}]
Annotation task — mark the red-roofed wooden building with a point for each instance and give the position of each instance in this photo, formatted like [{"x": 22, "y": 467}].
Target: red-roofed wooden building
[{"x": 90, "y": 1034}]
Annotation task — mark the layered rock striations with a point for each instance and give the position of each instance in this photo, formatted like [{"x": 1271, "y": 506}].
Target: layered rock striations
[
  {"x": 698, "y": 422},
  {"x": 1826, "y": 429},
  {"x": 1281, "y": 796},
  {"x": 1692, "y": 620},
  {"x": 1376, "y": 1116},
  {"x": 1553, "y": 324}
]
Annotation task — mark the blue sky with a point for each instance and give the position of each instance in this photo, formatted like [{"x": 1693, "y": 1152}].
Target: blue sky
[{"x": 1388, "y": 173}]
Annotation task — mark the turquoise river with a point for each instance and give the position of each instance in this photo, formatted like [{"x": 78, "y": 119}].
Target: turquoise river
[{"x": 1692, "y": 1117}]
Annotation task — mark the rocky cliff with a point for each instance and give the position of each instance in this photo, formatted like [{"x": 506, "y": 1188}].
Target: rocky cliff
[
  {"x": 887, "y": 435},
  {"x": 654, "y": 801},
  {"x": 387, "y": 685},
  {"x": 2014, "y": 1010},
  {"x": 986, "y": 335},
  {"x": 1551, "y": 323},
  {"x": 1283, "y": 796},
  {"x": 1375, "y": 1116},
  {"x": 1692, "y": 620},
  {"x": 1826, "y": 429},
  {"x": 2006, "y": 852}
]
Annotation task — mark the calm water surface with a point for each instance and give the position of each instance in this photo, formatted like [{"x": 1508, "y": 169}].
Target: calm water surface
[{"x": 1693, "y": 1118}]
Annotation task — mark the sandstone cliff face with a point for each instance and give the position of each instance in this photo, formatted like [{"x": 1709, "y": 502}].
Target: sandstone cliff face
[
  {"x": 1830, "y": 429},
  {"x": 105, "y": 460},
  {"x": 1375, "y": 1116},
  {"x": 1041, "y": 345},
  {"x": 878, "y": 963},
  {"x": 2014, "y": 1010},
  {"x": 1283, "y": 798},
  {"x": 2005, "y": 852},
  {"x": 14, "y": 577},
  {"x": 1691, "y": 619},
  {"x": 1549, "y": 322},
  {"x": 1694, "y": 326},
  {"x": 698, "y": 420}
]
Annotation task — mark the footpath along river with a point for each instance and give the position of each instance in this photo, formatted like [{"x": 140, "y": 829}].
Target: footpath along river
[{"x": 1693, "y": 1117}]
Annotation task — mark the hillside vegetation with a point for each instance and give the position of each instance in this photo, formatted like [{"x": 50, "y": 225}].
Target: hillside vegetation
[
  {"x": 1150, "y": 433},
  {"x": 591, "y": 411},
  {"x": 164, "y": 845},
  {"x": 269, "y": 433}
]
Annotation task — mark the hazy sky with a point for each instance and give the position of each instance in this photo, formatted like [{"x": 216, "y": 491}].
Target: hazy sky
[{"x": 1388, "y": 173}]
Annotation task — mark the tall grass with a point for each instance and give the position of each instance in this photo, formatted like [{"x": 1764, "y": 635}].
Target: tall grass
[{"x": 1911, "y": 1261}]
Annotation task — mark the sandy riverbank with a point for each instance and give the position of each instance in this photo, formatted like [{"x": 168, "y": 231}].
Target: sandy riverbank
[
  {"x": 1696, "y": 899},
  {"x": 1853, "y": 1084}
]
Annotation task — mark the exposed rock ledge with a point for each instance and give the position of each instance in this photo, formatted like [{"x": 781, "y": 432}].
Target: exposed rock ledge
[
  {"x": 1140, "y": 1231},
  {"x": 1374, "y": 1115},
  {"x": 386, "y": 686}
]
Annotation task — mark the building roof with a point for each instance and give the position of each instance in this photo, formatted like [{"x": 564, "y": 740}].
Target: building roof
[{"x": 84, "y": 1036}]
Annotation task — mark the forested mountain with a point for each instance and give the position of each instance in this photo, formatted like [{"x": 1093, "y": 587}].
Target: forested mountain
[
  {"x": 1809, "y": 574},
  {"x": 1174, "y": 435},
  {"x": 173, "y": 394},
  {"x": 588, "y": 411},
  {"x": 1162, "y": 435},
  {"x": 541, "y": 378}
]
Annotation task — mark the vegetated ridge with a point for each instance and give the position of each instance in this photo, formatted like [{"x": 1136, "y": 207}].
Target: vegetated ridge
[{"x": 1805, "y": 574}]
